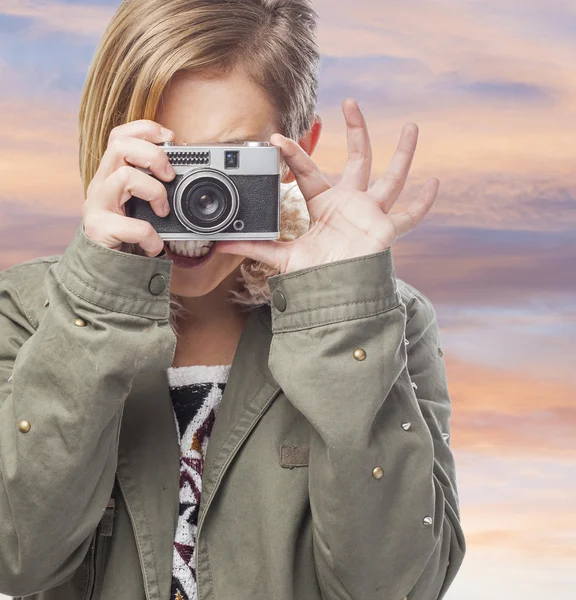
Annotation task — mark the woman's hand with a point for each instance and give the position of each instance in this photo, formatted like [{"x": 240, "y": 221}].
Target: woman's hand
[
  {"x": 130, "y": 145},
  {"x": 349, "y": 219}
]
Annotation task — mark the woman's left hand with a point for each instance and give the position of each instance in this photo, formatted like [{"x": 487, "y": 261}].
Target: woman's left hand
[{"x": 349, "y": 219}]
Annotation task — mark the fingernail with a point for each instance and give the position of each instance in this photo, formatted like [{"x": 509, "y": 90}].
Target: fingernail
[
  {"x": 276, "y": 140},
  {"x": 170, "y": 170},
  {"x": 167, "y": 132},
  {"x": 166, "y": 210}
]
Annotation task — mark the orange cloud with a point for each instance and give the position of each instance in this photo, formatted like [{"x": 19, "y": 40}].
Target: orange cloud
[
  {"x": 39, "y": 155},
  {"x": 467, "y": 140},
  {"x": 510, "y": 413},
  {"x": 523, "y": 524},
  {"x": 527, "y": 542}
]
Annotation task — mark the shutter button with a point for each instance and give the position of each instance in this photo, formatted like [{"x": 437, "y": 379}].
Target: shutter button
[
  {"x": 157, "y": 284},
  {"x": 279, "y": 300}
]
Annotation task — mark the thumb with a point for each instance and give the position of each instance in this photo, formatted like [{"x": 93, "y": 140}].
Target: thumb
[{"x": 271, "y": 252}]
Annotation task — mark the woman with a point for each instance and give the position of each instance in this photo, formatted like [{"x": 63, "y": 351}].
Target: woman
[{"x": 328, "y": 473}]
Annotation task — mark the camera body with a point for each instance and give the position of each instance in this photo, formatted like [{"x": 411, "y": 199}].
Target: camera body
[{"x": 220, "y": 192}]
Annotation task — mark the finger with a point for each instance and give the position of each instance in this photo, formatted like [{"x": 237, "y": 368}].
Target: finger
[
  {"x": 138, "y": 153},
  {"x": 270, "y": 252},
  {"x": 359, "y": 165},
  {"x": 387, "y": 188},
  {"x": 111, "y": 229},
  {"x": 308, "y": 176},
  {"x": 126, "y": 182},
  {"x": 143, "y": 129},
  {"x": 408, "y": 220}
]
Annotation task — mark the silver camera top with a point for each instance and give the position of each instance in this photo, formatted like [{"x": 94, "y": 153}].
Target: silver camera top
[
  {"x": 247, "y": 158},
  {"x": 251, "y": 144}
]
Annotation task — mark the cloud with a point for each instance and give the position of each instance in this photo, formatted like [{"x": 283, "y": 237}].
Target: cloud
[
  {"x": 487, "y": 94},
  {"x": 493, "y": 90},
  {"x": 456, "y": 138},
  {"x": 524, "y": 337},
  {"x": 502, "y": 412},
  {"x": 27, "y": 233},
  {"x": 531, "y": 538},
  {"x": 536, "y": 202},
  {"x": 39, "y": 155},
  {"x": 46, "y": 16},
  {"x": 488, "y": 267},
  {"x": 47, "y": 64},
  {"x": 402, "y": 84},
  {"x": 447, "y": 35}
]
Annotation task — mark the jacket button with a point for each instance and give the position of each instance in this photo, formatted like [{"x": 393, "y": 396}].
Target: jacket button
[
  {"x": 157, "y": 284},
  {"x": 406, "y": 426},
  {"x": 377, "y": 472},
  {"x": 359, "y": 354},
  {"x": 440, "y": 352},
  {"x": 24, "y": 426},
  {"x": 279, "y": 300},
  {"x": 427, "y": 520},
  {"x": 79, "y": 322}
]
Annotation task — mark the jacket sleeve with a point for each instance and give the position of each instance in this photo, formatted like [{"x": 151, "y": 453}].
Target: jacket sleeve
[
  {"x": 67, "y": 373},
  {"x": 364, "y": 366}
]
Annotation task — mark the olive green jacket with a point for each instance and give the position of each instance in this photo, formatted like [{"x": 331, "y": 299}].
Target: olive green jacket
[{"x": 328, "y": 475}]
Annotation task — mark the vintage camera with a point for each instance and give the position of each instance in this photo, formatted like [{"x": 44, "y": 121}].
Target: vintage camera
[{"x": 220, "y": 192}]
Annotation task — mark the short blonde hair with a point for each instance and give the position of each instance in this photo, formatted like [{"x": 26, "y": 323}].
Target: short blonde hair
[{"x": 148, "y": 41}]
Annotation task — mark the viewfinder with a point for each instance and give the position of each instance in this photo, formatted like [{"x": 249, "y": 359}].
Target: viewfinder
[{"x": 231, "y": 159}]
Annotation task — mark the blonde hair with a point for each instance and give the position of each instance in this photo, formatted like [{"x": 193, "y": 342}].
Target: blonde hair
[{"x": 148, "y": 41}]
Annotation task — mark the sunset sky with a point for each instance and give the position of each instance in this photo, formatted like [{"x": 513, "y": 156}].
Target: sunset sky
[{"x": 492, "y": 86}]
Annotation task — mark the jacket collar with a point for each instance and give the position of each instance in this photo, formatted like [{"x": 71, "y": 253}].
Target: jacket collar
[{"x": 149, "y": 456}]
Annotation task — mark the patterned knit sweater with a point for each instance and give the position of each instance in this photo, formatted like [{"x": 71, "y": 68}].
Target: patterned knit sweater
[{"x": 196, "y": 392}]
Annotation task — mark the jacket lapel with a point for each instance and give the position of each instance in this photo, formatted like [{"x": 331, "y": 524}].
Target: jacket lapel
[
  {"x": 149, "y": 475},
  {"x": 248, "y": 393},
  {"x": 149, "y": 456}
]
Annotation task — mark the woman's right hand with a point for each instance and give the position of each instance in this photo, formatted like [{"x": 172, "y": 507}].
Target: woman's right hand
[{"x": 130, "y": 145}]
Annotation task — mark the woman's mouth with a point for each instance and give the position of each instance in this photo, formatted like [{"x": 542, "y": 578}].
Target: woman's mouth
[{"x": 190, "y": 253}]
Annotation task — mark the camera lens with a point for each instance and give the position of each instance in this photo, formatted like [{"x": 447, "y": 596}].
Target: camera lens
[
  {"x": 206, "y": 204},
  {"x": 205, "y": 201},
  {"x": 231, "y": 159}
]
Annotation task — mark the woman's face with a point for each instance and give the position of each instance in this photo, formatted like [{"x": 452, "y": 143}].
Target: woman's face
[{"x": 211, "y": 111}]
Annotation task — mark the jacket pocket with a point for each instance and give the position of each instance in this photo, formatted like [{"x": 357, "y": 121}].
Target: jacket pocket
[
  {"x": 294, "y": 456},
  {"x": 98, "y": 551}
]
